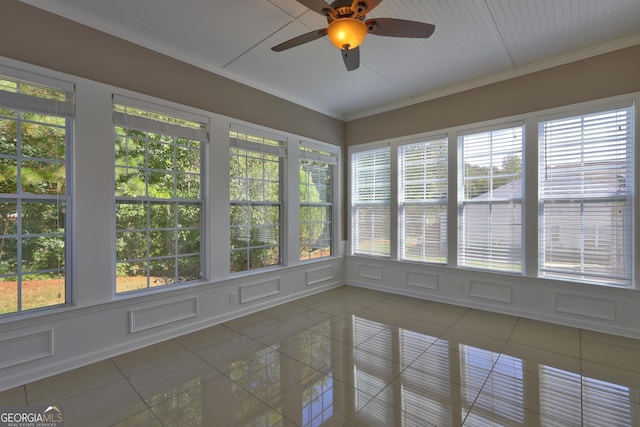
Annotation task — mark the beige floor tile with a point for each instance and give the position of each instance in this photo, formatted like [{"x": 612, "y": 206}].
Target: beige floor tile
[
  {"x": 312, "y": 319},
  {"x": 246, "y": 322},
  {"x": 232, "y": 353},
  {"x": 150, "y": 357},
  {"x": 437, "y": 315},
  {"x": 427, "y": 397},
  {"x": 266, "y": 377},
  {"x": 423, "y": 327},
  {"x": 72, "y": 383},
  {"x": 481, "y": 323},
  {"x": 397, "y": 306},
  {"x": 461, "y": 335},
  {"x": 219, "y": 402},
  {"x": 480, "y": 417},
  {"x": 208, "y": 337},
  {"x": 342, "y": 308},
  {"x": 365, "y": 374},
  {"x": 613, "y": 376},
  {"x": 547, "y": 336},
  {"x": 14, "y": 397},
  {"x": 534, "y": 357},
  {"x": 322, "y": 400},
  {"x": 619, "y": 341},
  {"x": 315, "y": 351},
  {"x": 436, "y": 305},
  {"x": 272, "y": 331},
  {"x": 171, "y": 378},
  {"x": 357, "y": 357},
  {"x": 286, "y": 311},
  {"x": 611, "y": 350},
  {"x": 145, "y": 418},
  {"x": 380, "y": 413},
  {"x": 106, "y": 405}
]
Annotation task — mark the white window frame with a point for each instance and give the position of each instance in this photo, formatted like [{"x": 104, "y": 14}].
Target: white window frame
[
  {"x": 428, "y": 201},
  {"x": 379, "y": 201},
  {"x": 62, "y": 108},
  {"x": 590, "y": 194},
  {"x": 196, "y": 132},
  {"x": 261, "y": 145},
  {"x": 322, "y": 154},
  {"x": 467, "y": 256}
]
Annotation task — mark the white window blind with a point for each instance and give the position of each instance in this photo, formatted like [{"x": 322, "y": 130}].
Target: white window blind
[
  {"x": 130, "y": 113},
  {"x": 370, "y": 198},
  {"x": 53, "y": 97},
  {"x": 422, "y": 201},
  {"x": 490, "y": 216},
  {"x": 585, "y": 185}
]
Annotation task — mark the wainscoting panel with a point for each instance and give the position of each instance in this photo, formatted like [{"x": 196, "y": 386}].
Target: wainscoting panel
[
  {"x": 369, "y": 271},
  {"x": 162, "y": 314},
  {"x": 319, "y": 275},
  {"x": 22, "y": 349},
  {"x": 492, "y": 291},
  {"x": 422, "y": 280},
  {"x": 601, "y": 308},
  {"x": 258, "y": 290}
]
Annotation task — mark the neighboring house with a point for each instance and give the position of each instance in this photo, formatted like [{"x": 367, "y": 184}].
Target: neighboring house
[{"x": 583, "y": 231}]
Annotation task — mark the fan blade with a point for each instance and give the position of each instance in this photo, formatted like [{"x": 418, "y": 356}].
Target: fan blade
[
  {"x": 318, "y": 6},
  {"x": 392, "y": 27},
  {"x": 351, "y": 58},
  {"x": 297, "y": 41},
  {"x": 369, "y": 6}
]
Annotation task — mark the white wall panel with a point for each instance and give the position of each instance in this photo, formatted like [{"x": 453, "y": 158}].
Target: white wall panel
[
  {"x": 369, "y": 271},
  {"x": 259, "y": 290},
  {"x": 584, "y": 305},
  {"x": 598, "y": 308},
  {"x": 422, "y": 280},
  {"x": 162, "y": 314},
  {"x": 25, "y": 348},
  {"x": 491, "y": 291},
  {"x": 319, "y": 275}
]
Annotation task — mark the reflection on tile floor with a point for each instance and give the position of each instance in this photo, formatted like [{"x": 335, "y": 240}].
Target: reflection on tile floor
[{"x": 356, "y": 357}]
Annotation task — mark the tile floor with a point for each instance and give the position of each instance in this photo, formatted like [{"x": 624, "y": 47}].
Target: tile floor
[{"x": 356, "y": 357}]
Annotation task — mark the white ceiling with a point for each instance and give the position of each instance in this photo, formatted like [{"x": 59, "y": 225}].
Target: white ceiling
[{"x": 475, "y": 42}]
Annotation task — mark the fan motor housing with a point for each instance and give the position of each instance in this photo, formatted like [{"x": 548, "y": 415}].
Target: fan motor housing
[{"x": 343, "y": 9}]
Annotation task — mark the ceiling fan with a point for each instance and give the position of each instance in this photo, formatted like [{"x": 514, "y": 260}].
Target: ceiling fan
[{"x": 348, "y": 27}]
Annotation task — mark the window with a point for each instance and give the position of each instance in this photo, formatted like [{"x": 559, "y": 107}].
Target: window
[
  {"x": 370, "y": 199},
  {"x": 422, "y": 201},
  {"x": 35, "y": 201},
  {"x": 490, "y": 213},
  {"x": 585, "y": 185},
  {"x": 158, "y": 195},
  {"x": 316, "y": 203},
  {"x": 255, "y": 192}
]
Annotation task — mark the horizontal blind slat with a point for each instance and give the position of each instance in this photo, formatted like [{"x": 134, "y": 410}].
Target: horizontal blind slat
[{"x": 585, "y": 173}]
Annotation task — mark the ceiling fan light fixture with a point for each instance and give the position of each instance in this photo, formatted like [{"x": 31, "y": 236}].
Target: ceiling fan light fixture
[{"x": 347, "y": 33}]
